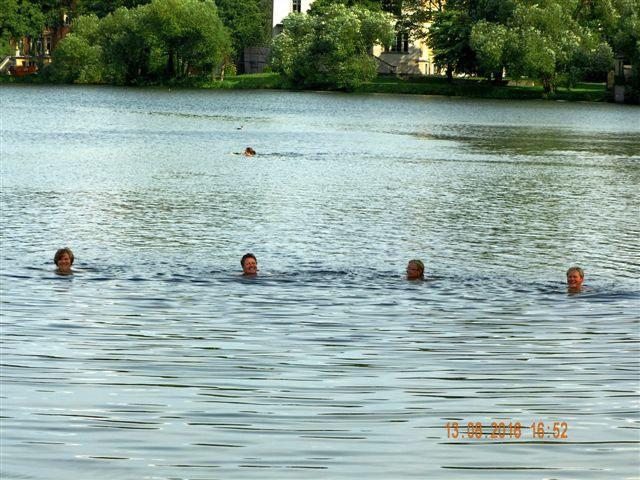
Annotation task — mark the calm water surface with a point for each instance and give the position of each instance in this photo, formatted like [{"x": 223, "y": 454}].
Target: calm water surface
[{"x": 156, "y": 360}]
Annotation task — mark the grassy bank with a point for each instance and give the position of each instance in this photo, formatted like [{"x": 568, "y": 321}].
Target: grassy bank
[
  {"x": 251, "y": 81},
  {"x": 429, "y": 85},
  {"x": 594, "y": 92},
  {"x": 420, "y": 85}
]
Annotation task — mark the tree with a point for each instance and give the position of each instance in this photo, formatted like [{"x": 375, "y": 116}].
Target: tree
[
  {"x": 247, "y": 22},
  {"x": 543, "y": 40},
  {"x": 625, "y": 35},
  {"x": 126, "y": 45},
  {"x": 415, "y": 16},
  {"x": 102, "y": 8},
  {"x": 189, "y": 32},
  {"x": 331, "y": 46},
  {"x": 488, "y": 41},
  {"x": 371, "y": 5},
  {"x": 77, "y": 61},
  {"x": 449, "y": 38},
  {"x": 20, "y": 18},
  {"x": 451, "y": 34},
  {"x": 164, "y": 39}
]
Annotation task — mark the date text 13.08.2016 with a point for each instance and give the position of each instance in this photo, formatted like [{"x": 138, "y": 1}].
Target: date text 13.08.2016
[{"x": 537, "y": 430}]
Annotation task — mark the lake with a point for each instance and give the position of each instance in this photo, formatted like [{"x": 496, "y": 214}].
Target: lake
[{"x": 158, "y": 360}]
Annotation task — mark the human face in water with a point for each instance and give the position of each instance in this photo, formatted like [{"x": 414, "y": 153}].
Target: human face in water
[
  {"x": 574, "y": 280},
  {"x": 64, "y": 263},
  {"x": 414, "y": 272},
  {"x": 250, "y": 267}
]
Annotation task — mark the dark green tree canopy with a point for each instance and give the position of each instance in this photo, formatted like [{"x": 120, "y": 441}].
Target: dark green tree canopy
[
  {"x": 331, "y": 45},
  {"x": 164, "y": 39}
]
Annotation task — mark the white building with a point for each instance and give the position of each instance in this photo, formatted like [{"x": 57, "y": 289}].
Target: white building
[
  {"x": 405, "y": 56},
  {"x": 282, "y": 8}
]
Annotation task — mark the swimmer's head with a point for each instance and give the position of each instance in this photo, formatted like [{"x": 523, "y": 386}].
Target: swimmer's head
[
  {"x": 575, "y": 277},
  {"x": 249, "y": 152},
  {"x": 63, "y": 259},
  {"x": 415, "y": 270},
  {"x": 249, "y": 264}
]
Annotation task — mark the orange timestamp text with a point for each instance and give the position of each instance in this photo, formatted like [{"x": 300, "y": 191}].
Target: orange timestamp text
[{"x": 537, "y": 430}]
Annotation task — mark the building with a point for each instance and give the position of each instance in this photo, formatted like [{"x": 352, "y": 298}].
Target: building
[
  {"x": 28, "y": 53},
  {"x": 282, "y": 8},
  {"x": 406, "y": 56}
]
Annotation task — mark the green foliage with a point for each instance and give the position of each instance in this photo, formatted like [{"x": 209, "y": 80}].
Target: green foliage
[
  {"x": 488, "y": 40},
  {"x": 591, "y": 60},
  {"x": 166, "y": 39},
  {"x": 435, "y": 85},
  {"x": 251, "y": 81},
  {"x": 126, "y": 45},
  {"x": 449, "y": 38},
  {"x": 371, "y": 5},
  {"x": 543, "y": 39},
  {"x": 101, "y": 8},
  {"x": 191, "y": 33},
  {"x": 88, "y": 26},
  {"x": 415, "y": 16},
  {"x": 247, "y": 22},
  {"x": 625, "y": 34},
  {"x": 230, "y": 70},
  {"x": 289, "y": 47},
  {"x": 5, "y": 47},
  {"x": 331, "y": 46},
  {"x": 20, "y": 18},
  {"x": 76, "y": 60},
  {"x": 49, "y": 11}
]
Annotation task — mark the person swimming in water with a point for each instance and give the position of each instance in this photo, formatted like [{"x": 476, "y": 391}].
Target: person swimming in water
[
  {"x": 249, "y": 152},
  {"x": 249, "y": 264},
  {"x": 63, "y": 260},
  {"x": 575, "y": 277},
  {"x": 415, "y": 270}
]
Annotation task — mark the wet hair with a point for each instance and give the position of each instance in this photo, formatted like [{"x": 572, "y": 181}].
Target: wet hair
[
  {"x": 420, "y": 265},
  {"x": 576, "y": 269},
  {"x": 60, "y": 252},
  {"x": 247, "y": 255},
  {"x": 249, "y": 151}
]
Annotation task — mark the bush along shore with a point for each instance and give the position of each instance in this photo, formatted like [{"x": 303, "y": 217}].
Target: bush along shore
[{"x": 418, "y": 85}]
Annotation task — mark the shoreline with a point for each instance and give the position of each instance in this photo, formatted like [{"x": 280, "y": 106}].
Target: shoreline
[{"x": 428, "y": 85}]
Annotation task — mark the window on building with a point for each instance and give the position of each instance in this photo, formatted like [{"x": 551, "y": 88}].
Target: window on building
[
  {"x": 401, "y": 44},
  {"x": 296, "y": 6}
]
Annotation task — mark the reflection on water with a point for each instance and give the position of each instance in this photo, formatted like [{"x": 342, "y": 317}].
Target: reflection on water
[
  {"x": 540, "y": 141},
  {"x": 156, "y": 359}
]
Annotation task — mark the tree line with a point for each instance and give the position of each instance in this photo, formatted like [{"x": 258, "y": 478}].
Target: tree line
[
  {"x": 553, "y": 41},
  {"x": 140, "y": 41},
  {"x": 548, "y": 40},
  {"x": 132, "y": 41}
]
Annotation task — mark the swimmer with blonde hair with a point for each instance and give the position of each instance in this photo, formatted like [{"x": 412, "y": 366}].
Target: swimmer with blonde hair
[
  {"x": 415, "y": 270},
  {"x": 575, "y": 277}
]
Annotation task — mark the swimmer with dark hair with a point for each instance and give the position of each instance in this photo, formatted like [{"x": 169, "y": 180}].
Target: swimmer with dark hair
[
  {"x": 249, "y": 264},
  {"x": 249, "y": 152},
  {"x": 63, "y": 260}
]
